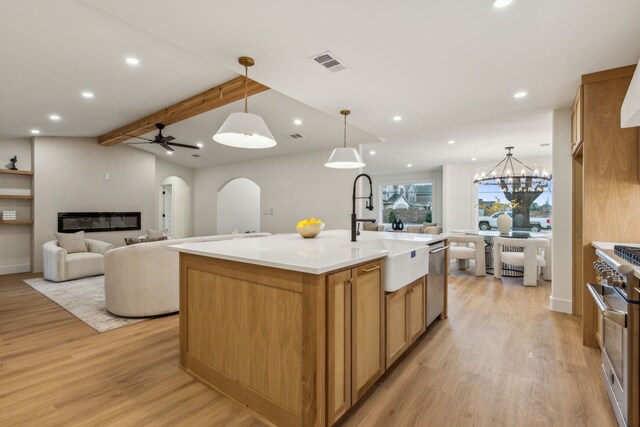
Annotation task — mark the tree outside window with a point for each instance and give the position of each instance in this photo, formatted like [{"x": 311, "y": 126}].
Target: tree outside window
[{"x": 529, "y": 209}]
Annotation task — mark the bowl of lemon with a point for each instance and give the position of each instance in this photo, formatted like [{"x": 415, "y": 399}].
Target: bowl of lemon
[{"x": 309, "y": 228}]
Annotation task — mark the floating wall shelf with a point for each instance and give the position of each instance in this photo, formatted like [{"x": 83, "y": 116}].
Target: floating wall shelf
[
  {"x": 17, "y": 222},
  {"x": 15, "y": 197},
  {"x": 12, "y": 172}
]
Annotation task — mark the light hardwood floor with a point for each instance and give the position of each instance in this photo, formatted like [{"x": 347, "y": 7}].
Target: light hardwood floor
[{"x": 501, "y": 359}]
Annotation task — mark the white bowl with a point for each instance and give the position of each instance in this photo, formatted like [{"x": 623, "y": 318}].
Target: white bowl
[{"x": 310, "y": 231}]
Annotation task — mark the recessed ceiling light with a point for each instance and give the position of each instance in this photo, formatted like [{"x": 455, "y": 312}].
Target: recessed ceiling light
[
  {"x": 499, "y": 4},
  {"x": 473, "y": 159},
  {"x": 409, "y": 165},
  {"x": 397, "y": 118},
  {"x": 35, "y": 131},
  {"x": 87, "y": 94},
  {"x": 170, "y": 153},
  {"x": 199, "y": 145},
  {"x": 373, "y": 153},
  {"x": 54, "y": 117},
  {"x": 451, "y": 142},
  {"x": 519, "y": 95},
  {"x": 297, "y": 122},
  {"x": 132, "y": 61}
]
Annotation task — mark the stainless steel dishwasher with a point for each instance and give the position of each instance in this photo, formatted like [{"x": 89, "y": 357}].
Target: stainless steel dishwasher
[{"x": 435, "y": 281}]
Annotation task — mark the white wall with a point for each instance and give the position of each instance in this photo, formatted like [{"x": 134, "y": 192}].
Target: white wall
[
  {"x": 181, "y": 179},
  {"x": 561, "y": 290},
  {"x": 238, "y": 206},
  {"x": 428, "y": 176},
  {"x": 69, "y": 176},
  {"x": 15, "y": 240},
  {"x": 293, "y": 187},
  {"x": 460, "y": 195}
]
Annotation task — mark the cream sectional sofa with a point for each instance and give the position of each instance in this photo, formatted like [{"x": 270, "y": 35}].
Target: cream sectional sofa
[{"x": 143, "y": 279}]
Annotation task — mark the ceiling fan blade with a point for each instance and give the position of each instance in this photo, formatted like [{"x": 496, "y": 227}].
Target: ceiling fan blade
[
  {"x": 134, "y": 143},
  {"x": 176, "y": 144},
  {"x": 166, "y": 147},
  {"x": 139, "y": 137},
  {"x": 168, "y": 138}
]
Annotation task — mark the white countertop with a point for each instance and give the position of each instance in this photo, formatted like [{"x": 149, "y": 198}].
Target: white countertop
[{"x": 330, "y": 250}]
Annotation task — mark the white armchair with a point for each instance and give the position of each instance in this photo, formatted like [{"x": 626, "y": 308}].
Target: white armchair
[
  {"x": 60, "y": 266},
  {"x": 530, "y": 259},
  {"x": 462, "y": 252}
]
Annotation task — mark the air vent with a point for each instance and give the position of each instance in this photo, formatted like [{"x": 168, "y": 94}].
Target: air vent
[
  {"x": 196, "y": 155},
  {"x": 329, "y": 61},
  {"x": 295, "y": 136},
  {"x": 545, "y": 145}
]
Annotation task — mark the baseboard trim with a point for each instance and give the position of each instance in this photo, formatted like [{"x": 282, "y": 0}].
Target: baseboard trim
[
  {"x": 561, "y": 305},
  {"x": 12, "y": 269}
]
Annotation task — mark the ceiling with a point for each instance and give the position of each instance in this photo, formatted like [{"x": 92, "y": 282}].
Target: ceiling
[
  {"x": 448, "y": 68},
  {"x": 319, "y": 131}
]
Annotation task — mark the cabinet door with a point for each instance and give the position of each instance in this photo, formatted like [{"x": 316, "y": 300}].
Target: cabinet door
[
  {"x": 397, "y": 333},
  {"x": 416, "y": 310},
  {"x": 577, "y": 122},
  {"x": 367, "y": 328},
  {"x": 338, "y": 345}
]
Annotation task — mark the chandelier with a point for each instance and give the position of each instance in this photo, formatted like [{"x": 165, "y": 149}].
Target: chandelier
[{"x": 505, "y": 175}]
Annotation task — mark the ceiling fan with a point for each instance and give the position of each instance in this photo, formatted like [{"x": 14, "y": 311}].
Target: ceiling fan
[{"x": 163, "y": 141}]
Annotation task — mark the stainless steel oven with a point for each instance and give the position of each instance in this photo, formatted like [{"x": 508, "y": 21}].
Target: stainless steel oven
[{"x": 618, "y": 303}]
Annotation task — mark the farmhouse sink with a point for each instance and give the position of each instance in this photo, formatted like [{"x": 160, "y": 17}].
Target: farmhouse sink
[{"x": 405, "y": 262}]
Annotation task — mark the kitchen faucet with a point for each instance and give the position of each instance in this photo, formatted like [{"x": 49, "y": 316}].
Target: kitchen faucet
[{"x": 369, "y": 205}]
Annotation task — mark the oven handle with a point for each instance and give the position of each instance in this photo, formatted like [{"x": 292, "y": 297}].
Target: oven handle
[{"x": 616, "y": 316}]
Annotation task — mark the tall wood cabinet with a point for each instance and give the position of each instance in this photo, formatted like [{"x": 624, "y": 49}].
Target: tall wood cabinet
[{"x": 606, "y": 192}]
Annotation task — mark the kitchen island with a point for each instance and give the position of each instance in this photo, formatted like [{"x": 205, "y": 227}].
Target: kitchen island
[{"x": 293, "y": 329}]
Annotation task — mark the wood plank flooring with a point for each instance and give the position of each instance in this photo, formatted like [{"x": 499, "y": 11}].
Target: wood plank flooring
[{"x": 501, "y": 359}]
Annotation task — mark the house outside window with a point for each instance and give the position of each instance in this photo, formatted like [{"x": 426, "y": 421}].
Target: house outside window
[{"x": 412, "y": 203}]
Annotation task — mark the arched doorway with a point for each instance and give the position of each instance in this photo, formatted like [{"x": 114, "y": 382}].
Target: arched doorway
[{"x": 238, "y": 206}]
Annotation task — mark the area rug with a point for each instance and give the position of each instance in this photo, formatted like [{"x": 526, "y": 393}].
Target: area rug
[{"x": 84, "y": 298}]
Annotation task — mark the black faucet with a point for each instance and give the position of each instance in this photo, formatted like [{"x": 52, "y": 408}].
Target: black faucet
[{"x": 369, "y": 206}]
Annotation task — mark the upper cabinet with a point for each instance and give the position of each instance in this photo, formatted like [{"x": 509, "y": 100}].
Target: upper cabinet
[{"x": 577, "y": 124}]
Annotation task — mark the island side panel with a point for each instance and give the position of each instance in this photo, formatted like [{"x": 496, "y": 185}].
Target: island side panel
[
  {"x": 445, "y": 310},
  {"x": 313, "y": 387},
  {"x": 243, "y": 333}
]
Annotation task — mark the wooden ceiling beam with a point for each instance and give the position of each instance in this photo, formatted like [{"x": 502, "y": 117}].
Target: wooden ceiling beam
[{"x": 223, "y": 94}]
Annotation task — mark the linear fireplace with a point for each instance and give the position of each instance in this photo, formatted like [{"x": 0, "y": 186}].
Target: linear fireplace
[{"x": 98, "y": 221}]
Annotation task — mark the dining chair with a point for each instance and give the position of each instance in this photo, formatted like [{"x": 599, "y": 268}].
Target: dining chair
[
  {"x": 460, "y": 250},
  {"x": 529, "y": 258}
]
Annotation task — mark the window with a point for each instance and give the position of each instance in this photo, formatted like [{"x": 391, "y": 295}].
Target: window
[
  {"x": 530, "y": 211},
  {"x": 411, "y": 203}
]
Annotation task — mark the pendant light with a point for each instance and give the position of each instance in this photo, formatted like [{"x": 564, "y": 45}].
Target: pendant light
[
  {"x": 345, "y": 157},
  {"x": 245, "y": 130}
]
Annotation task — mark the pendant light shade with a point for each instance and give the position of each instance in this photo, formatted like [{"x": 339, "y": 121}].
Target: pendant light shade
[
  {"x": 245, "y": 130},
  {"x": 345, "y": 157}
]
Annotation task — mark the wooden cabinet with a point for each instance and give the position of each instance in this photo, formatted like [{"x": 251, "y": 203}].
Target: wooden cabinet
[
  {"x": 338, "y": 345},
  {"x": 355, "y": 335},
  {"x": 367, "y": 328},
  {"x": 606, "y": 194},
  {"x": 416, "y": 309},
  {"x": 577, "y": 124},
  {"x": 405, "y": 318},
  {"x": 397, "y": 334}
]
